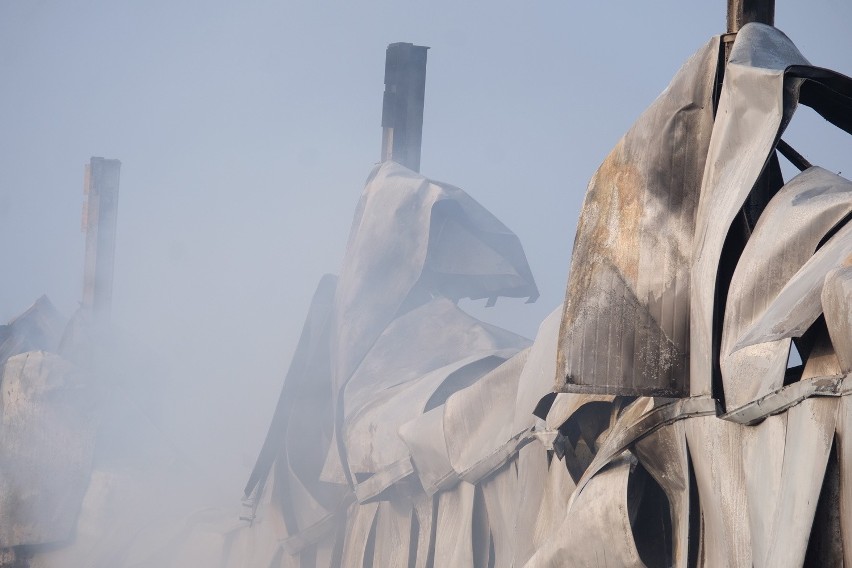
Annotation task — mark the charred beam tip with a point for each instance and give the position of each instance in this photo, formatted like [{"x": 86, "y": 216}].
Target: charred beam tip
[
  {"x": 402, "y": 104},
  {"x": 793, "y": 156},
  {"x": 742, "y": 12},
  {"x": 101, "y": 189}
]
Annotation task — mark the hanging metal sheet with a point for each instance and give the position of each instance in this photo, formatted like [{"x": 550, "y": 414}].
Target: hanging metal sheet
[
  {"x": 626, "y": 322},
  {"x": 808, "y": 208},
  {"x": 765, "y": 79},
  {"x": 799, "y": 304}
]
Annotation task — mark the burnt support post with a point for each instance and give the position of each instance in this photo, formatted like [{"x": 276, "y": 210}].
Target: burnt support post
[
  {"x": 402, "y": 108},
  {"x": 742, "y": 12},
  {"x": 99, "y": 223}
]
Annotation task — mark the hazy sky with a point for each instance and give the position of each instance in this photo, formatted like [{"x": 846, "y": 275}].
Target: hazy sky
[{"x": 246, "y": 130}]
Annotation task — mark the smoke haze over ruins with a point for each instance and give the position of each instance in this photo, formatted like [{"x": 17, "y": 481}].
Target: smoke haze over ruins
[{"x": 245, "y": 132}]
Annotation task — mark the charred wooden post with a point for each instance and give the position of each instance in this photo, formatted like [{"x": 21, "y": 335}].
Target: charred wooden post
[
  {"x": 99, "y": 223},
  {"x": 402, "y": 109}
]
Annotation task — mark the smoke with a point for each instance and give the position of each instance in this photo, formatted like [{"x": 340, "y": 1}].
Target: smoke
[{"x": 245, "y": 132}]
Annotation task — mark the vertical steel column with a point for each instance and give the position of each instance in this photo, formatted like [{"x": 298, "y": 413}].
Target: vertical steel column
[
  {"x": 742, "y": 12},
  {"x": 402, "y": 108},
  {"x": 99, "y": 223}
]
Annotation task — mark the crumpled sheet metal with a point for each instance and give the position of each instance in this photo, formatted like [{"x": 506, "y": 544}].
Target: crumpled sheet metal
[
  {"x": 758, "y": 485},
  {"x": 39, "y": 328},
  {"x": 393, "y": 533},
  {"x": 47, "y": 443},
  {"x": 799, "y": 304},
  {"x": 641, "y": 419},
  {"x": 375, "y": 445},
  {"x": 412, "y": 236},
  {"x": 665, "y": 456},
  {"x": 836, "y": 299},
  {"x": 788, "y": 396},
  {"x": 425, "y": 439},
  {"x": 566, "y": 404},
  {"x": 415, "y": 244},
  {"x": 785, "y": 460},
  {"x": 599, "y": 510},
  {"x": 536, "y": 379},
  {"x": 477, "y": 419},
  {"x": 453, "y": 351},
  {"x": 499, "y": 494},
  {"x": 416, "y": 247},
  {"x": 765, "y": 79},
  {"x": 452, "y": 469},
  {"x": 544, "y": 488},
  {"x": 843, "y": 441},
  {"x": 359, "y": 524},
  {"x": 807, "y": 207},
  {"x": 625, "y": 329},
  {"x": 490, "y": 420},
  {"x": 299, "y": 438}
]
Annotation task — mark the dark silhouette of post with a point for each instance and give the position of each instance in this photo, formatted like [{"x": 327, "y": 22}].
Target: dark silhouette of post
[
  {"x": 99, "y": 222},
  {"x": 402, "y": 109},
  {"x": 742, "y": 12}
]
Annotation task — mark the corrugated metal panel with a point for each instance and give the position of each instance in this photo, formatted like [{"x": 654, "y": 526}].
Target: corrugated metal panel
[{"x": 626, "y": 321}]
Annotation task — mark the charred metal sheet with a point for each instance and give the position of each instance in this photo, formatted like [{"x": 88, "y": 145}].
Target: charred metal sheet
[
  {"x": 309, "y": 342},
  {"x": 566, "y": 404},
  {"x": 499, "y": 493},
  {"x": 785, "y": 459},
  {"x": 643, "y": 418},
  {"x": 758, "y": 485},
  {"x": 765, "y": 79},
  {"x": 786, "y": 397},
  {"x": 478, "y": 421},
  {"x": 424, "y": 510},
  {"x": 374, "y": 445},
  {"x": 39, "y": 328},
  {"x": 533, "y": 517},
  {"x": 808, "y": 208},
  {"x": 625, "y": 329},
  {"x": 491, "y": 419},
  {"x": 544, "y": 489},
  {"x": 454, "y": 350},
  {"x": 536, "y": 380},
  {"x": 799, "y": 304},
  {"x": 299, "y": 435},
  {"x": 454, "y": 526},
  {"x": 843, "y": 440},
  {"x": 447, "y": 338},
  {"x": 425, "y": 438},
  {"x": 665, "y": 456},
  {"x": 602, "y": 509},
  {"x": 47, "y": 443},
  {"x": 749, "y": 120},
  {"x": 416, "y": 247},
  {"x": 360, "y": 524},
  {"x": 715, "y": 447},
  {"x": 377, "y": 403},
  {"x": 433, "y": 410},
  {"x": 835, "y": 298},
  {"x": 578, "y": 438},
  {"x": 399, "y": 254},
  {"x": 393, "y": 533}
]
